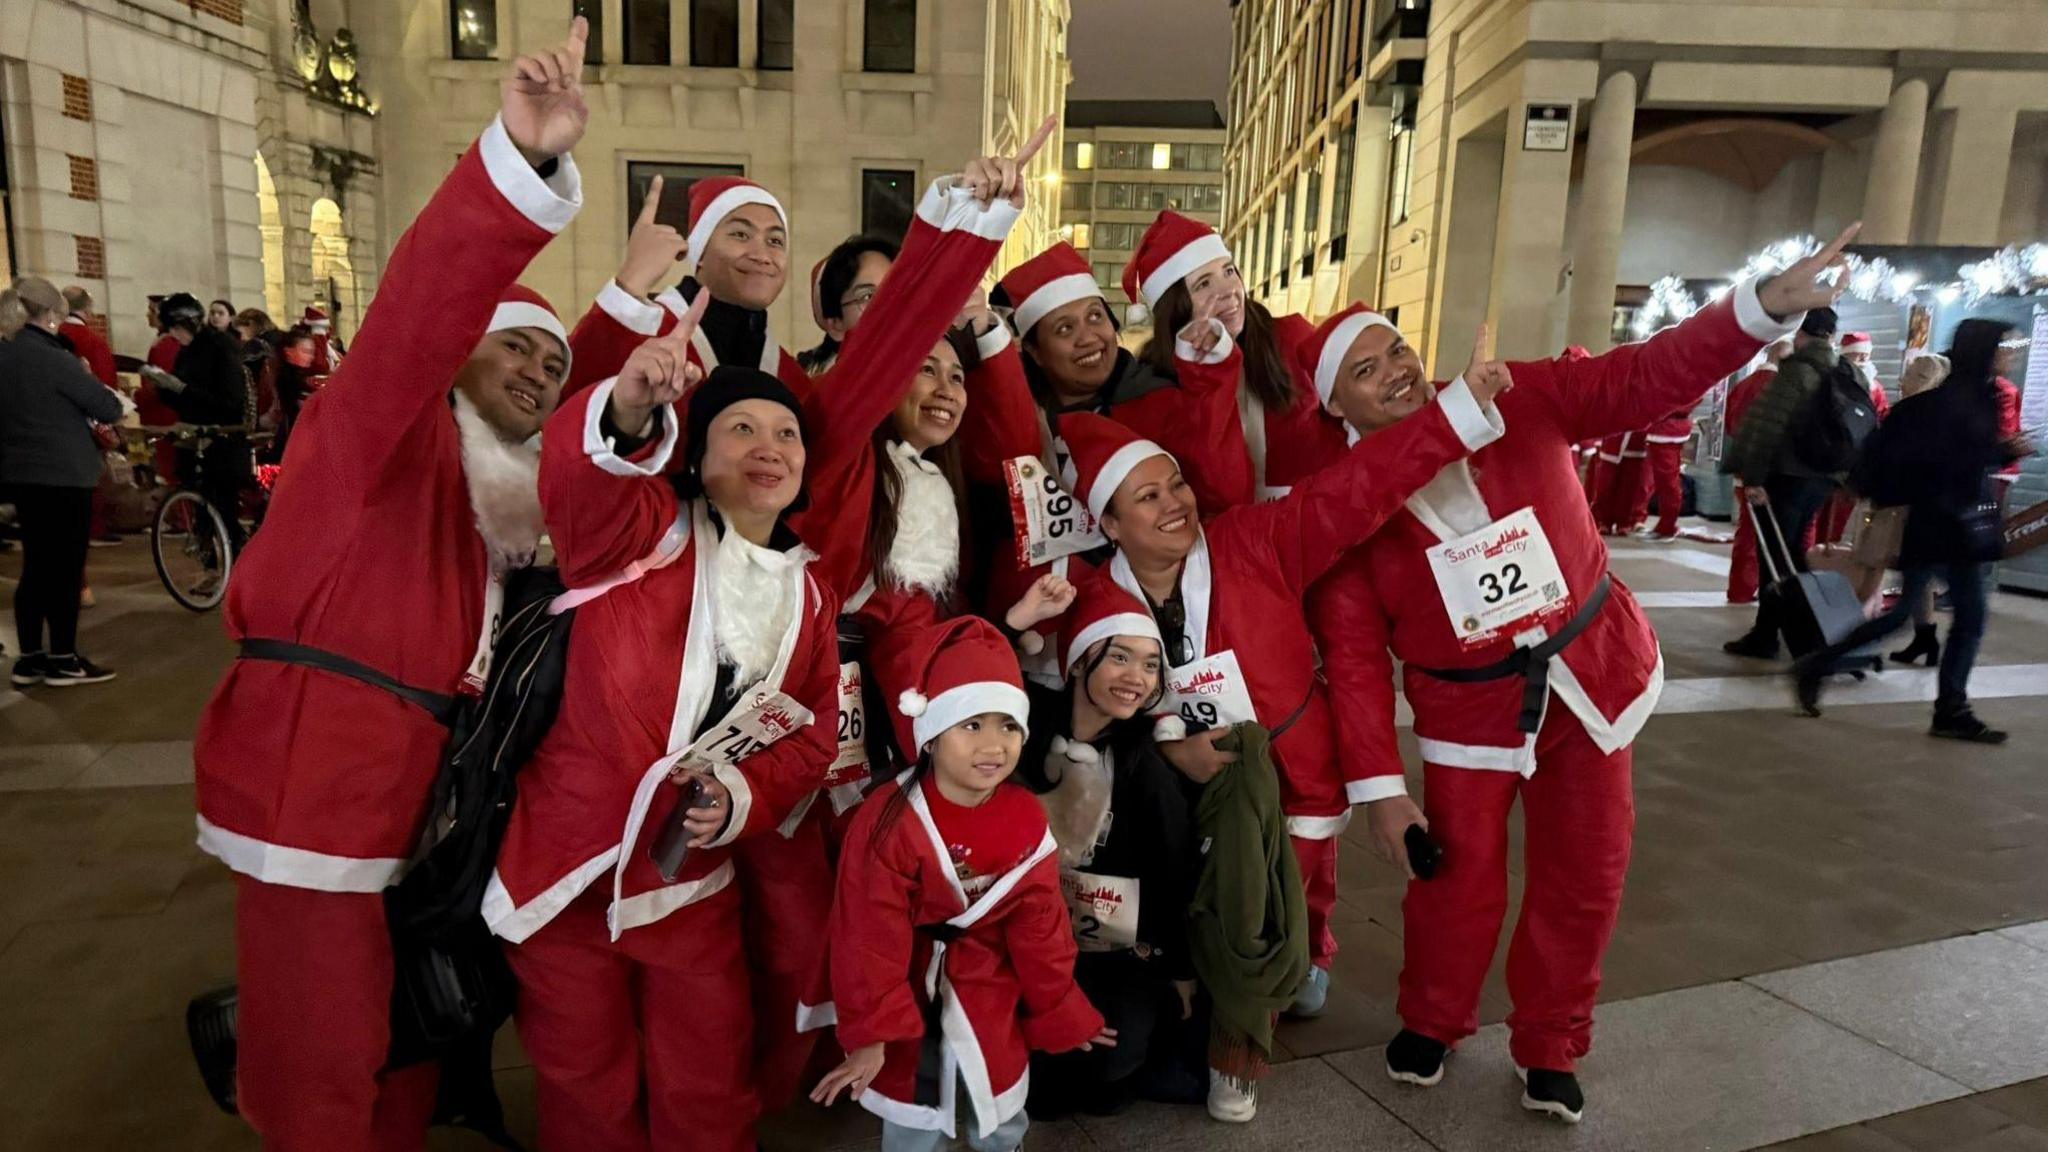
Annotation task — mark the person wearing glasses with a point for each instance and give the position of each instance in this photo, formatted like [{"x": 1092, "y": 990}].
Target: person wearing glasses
[
  {"x": 1228, "y": 595},
  {"x": 1530, "y": 669},
  {"x": 841, "y": 290}
]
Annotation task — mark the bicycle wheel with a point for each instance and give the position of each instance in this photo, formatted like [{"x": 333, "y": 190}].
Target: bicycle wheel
[{"x": 189, "y": 542}]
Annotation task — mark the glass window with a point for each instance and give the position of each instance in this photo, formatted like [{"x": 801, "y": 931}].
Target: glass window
[
  {"x": 1123, "y": 154},
  {"x": 473, "y": 29},
  {"x": 593, "y": 11},
  {"x": 1285, "y": 222},
  {"x": 778, "y": 34},
  {"x": 1162, "y": 156},
  {"x": 1117, "y": 237},
  {"x": 645, "y": 31},
  {"x": 1312, "y": 209},
  {"x": 1110, "y": 194},
  {"x": 1397, "y": 172},
  {"x": 1205, "y": 198},
  {"x": 887, "y": 199},
  {"x": 1108, "y": 273},
  {"x": 675, "y": 188},
  {"x": 1084, "y": 237},
  {"x": 890, "y": 36},
  {"x": 715, "y": 33},
  {"x": 1340, "y": 202},
  {"x": 1073, "y": 195}
]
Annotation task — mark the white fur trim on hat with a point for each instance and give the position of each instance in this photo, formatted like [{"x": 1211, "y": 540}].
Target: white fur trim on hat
[
  {"x": 1181, "y": 265},
  {"x": 725, "y": 204},
  {"x": 966, "y": 701},
  {"x": 1117, "y": 467},
  {"x": 912, "y": 703},
  {"x": 1168, "y": 728},
  {"x": 521, "y": 314},
  {"x": 1054, "y": 293},
  {"x": 1341, "y": 338},
  {"x": 1119, "y": 624}
]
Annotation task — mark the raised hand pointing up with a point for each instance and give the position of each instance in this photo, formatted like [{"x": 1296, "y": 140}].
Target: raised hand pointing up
[
  {"x": 658, "y": 372},
  {"x": 1002, "y": 177},
  {"x": 1800, "y": 289},
  {"x": 1487, "y": 378},
  {"x": 542, "y": 98}
]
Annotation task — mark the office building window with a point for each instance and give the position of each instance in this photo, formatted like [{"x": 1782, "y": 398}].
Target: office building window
[
  {"x": 1123, "y": 154},
  {"x": 715, "y": 33},
  {"x": 1285, "y": 219},
  {"x": 473, "y": 29},
  {"x": 1111, "y": 194},
  {"x": 1312, "y": 212},
  {"x": 1118, "y": 237},
  {"x": 1084, "y": 237},
  {"x": 593, "y": 11},
  {"x": 1073, "y": 195},
  {"x": 1162, "y": 157},
  {"x": 1401, "y": 158},
  {"x": 1340, "y": 193},
  {"x": 890, "y": 36},
  {"x": 1081, "y": 155},
  {"x": 778, "y": 34},
  {"x": 1108, "y": 273},
  {"x": 887, "y": 199},
  {"x": 645, "y": 31},
  {"x": 675, "y": 188},
  {"x": 1205, "y": 198}
]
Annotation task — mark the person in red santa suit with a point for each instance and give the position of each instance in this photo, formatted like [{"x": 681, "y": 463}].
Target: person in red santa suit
[
  {"x": 1664, "y": 474},
  {"x": 738, "y": 250},
  {"x": 1228, "y": 599},
  {"x": 326, "y": 353},
  {"x": 1493, "y": 590},
  {"x": 843, "y": 284},
  {"x": 365, "y": 605},
  {"x": 1623, "y": 476},
  {"x": 952, "y": 953},
  {"x": 1833, "y": 522},
  {"x": 1743, "y": 570}
]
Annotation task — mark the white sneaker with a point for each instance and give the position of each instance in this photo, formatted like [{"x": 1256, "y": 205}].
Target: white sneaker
[{"x": 1231, "y": 1100}]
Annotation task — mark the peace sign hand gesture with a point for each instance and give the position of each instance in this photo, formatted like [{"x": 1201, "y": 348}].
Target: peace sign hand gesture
[
  {"x": 659, "y": 372},
  {"x": 1799, "y": 289},
  {"x": 991, "y": 178},
  {"x": 542, "y": 100}
]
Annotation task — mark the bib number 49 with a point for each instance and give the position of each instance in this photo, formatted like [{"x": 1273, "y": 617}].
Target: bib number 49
[{"x": 1198, "y": 712}]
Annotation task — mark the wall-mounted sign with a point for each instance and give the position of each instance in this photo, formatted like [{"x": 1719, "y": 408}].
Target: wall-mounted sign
[{"x": 1547, "y": 128}]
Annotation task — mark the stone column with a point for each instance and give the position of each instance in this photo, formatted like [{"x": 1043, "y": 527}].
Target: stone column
[
  {"x": 1895, "y": 166},
  {"x": 1528, "y": 252},
  {"x": 1603, "y": 203},
  {"x": 1977, "y": 163}
]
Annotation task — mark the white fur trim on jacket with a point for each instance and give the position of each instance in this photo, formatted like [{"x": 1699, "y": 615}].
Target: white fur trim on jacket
[
  {"x": 603, "y": 452},
  {"x": 1375, "y": 788},
  {"x": 516, "y": 922},
  {"x": 725, "y": 204},
  {"x": 1184, "y": 349},
  {"x": 1759, "y": 324},
  {"x": 1485, "y": 757},
  {"x": 297, "y": 867},
  {"x": 950, "y": 206},
  {"x": 1476, "y": 426},
  {"x": 1318, "y": 827},
  {"x": 924, "y": 556},
  {"x": 991, "y": 343},
  {"x": 549, "y": 203},
  {"x": 1180, "y": 266},
  {"x": 633, "y": 314}
]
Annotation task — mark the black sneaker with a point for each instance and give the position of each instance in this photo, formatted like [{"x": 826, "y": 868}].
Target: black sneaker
[
  {"x": 1552, "y": 1093},
  {"x": 65, "y": 671},
  {"x": 31, "y": 669},
  {"x": 1963, "y": 725},
  {"x": 1413, "y": 1058},
  {"x": 1753, "y": 646},
  {"x": 1806, "y": 691}
]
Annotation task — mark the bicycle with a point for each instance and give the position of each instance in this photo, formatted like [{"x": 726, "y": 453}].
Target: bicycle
[{"x": 189, "y": 536}]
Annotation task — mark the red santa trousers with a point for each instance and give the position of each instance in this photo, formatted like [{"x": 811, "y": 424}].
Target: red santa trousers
[
  {"x": 786, "y": 887},
  {"x": 642, "y": 1043},
  {"x": 1578, "y": 814},
  {"x": 314, "y": 1024},
  {"x": 1742, "y": 563},
  {"x": 1318, "y": 860},
  {"x": 1667, "y": 482},
  {"x": 1624, "y": 492}
]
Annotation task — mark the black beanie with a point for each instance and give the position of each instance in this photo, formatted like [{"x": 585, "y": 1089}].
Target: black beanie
[
  {"x": 1820, "y": 322},
  {"x": 727, "y": 385}
]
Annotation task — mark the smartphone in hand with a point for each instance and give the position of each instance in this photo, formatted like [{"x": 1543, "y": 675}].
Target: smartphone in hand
[
  {"x": 1423, "y": 853},
  {"x": 672, "y": 847}
]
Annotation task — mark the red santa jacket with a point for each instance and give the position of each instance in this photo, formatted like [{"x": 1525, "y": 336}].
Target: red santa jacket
[
  {"x": 618, "y": 322},
  {"x": 2008, "y": 420},
  {"x": 641, "y": 676},
  {"x": 1674, "y": 427},
  {"x": 91, "y": 348},
  {"x": 1004, "y": 987},
  {"x": 1383, "y": 602},
  {"x": 1245, "y": 583},
  {"x": 1254, "y": 453},
  {"x": 370, "y": 550}
]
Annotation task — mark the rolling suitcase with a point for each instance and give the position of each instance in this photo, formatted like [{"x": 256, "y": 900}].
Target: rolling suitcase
[{"x": 1815, "y": 609}]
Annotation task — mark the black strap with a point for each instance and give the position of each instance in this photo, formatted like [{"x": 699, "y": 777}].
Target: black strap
[
  {"x": 437, "y": 705},
  {"x": 1531, "y": 663},
  {"x": 931, "y": 1054}
]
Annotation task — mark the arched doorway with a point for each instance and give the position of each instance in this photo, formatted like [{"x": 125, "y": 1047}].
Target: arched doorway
[
  {"x": 272, "y": 227},
  {"x": 334, "y": 279}
]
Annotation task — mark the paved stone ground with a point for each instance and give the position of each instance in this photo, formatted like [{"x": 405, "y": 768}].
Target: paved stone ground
[{"x": 1831, "y": 935}]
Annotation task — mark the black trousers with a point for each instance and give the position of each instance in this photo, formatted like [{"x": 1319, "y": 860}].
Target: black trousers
[
  {"x": 56, "y": 525},
  {"x": 1137, "y": 999},
  {"x": 1795, "y": 501}
]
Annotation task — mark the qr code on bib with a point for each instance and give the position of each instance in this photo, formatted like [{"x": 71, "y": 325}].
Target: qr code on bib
[{"x": 1551, "y": 591}]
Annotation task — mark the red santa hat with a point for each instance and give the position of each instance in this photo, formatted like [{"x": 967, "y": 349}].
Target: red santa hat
[
  {"x": 1103, "y": 609},
  {"x": 314, "y": 318},
  {"x": 522, "y": 307},
  {"x": 1171, "y": 249},
  {"x": 715, "y": 198},
  {"x": 961, "y": 669},
  {"x": 1053, "y": 278},
  {"x": 1855, "y": 342},
  {"x": 1104, "y": 453},
  {"x": 1318, "y": 356}
]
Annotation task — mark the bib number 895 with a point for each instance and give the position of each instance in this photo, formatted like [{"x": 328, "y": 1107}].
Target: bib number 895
[{"x": 1499, "y": 586}]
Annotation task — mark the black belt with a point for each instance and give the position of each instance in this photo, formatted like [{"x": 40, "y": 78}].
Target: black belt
[
  {"x": 931, "y": 1060},
  {"x": 1532, "y": 663},
  {"x": 437, "y": 705}
]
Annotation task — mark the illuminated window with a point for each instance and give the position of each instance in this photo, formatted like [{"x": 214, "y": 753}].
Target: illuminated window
[
  {"x": 473, "y": 29},
  {"x": 1083, "y": 236},
  {"x": 1084, "y": 155},
  {"x": 1162, "y": 155}
]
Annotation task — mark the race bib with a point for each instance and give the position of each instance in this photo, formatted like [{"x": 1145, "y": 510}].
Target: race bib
[
  {"x": 760, "y": 720},
  {"x": 1050, "y": 523},
  {"x": 851, "y": 765},
  {"x": 479, "y": 672},
  {"x": 1209, "y": 693},
  {"x": 1104, "y": 910},
  {"x": 1497, "y": 576}
]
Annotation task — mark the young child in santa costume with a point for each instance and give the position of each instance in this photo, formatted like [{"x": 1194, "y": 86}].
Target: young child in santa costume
[
  {"x": 364, "y": 607},
  {"x": 1228, "y": 600},
  {"x": 1493, "y": 590},
  {"x": 699, "y": 712},
  {"x": 952, "y": 953}
]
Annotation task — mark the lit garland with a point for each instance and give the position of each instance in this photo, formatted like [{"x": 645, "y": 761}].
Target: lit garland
[{"x": 1669, "y": 303}]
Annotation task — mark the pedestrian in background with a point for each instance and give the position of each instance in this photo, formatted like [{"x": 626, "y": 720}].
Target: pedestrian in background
[{"x": 49, "y": 465}]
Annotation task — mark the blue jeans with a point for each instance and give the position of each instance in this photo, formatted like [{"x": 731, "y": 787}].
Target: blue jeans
[{"x": 1969, "y": 586}]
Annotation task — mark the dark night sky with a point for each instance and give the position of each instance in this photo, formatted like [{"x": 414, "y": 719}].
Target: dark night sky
[{"x": 1150, "y": 50}]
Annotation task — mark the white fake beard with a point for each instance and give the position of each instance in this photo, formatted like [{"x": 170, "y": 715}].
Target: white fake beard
[
  {"x": 753, "y": 605},
  {"x": 504, "y": 488},
  {"x": 925, "y": 555}
]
